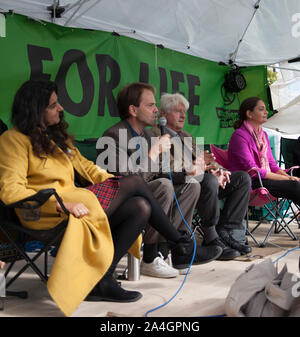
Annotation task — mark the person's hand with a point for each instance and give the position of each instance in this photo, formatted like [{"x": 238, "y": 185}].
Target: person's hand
[
  {"x": 2, "y": 264},
  {"x": 222, "y": 176},
  {"x": 208, "y": 157},
  {"x": 79, "y": 210},
  {"x": 205, "y": 161},
  {"x": 294, "y": 178},
  {"x": 197, "y": 168},
  {"x": 162, "y": 145}
]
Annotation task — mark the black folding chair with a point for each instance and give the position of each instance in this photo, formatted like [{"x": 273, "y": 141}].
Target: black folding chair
[
  {"x": 287, "y": 147},
  {"x": 17, "y": 235}
]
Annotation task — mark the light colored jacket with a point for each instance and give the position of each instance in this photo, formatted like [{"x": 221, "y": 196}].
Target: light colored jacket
[{"x": 243, "y": 154}]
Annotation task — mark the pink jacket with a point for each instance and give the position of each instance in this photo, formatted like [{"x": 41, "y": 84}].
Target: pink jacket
[{"x": 243, "y": 154}]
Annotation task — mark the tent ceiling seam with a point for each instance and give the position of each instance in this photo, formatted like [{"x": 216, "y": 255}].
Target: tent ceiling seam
[{"x": 256, "y": 7}]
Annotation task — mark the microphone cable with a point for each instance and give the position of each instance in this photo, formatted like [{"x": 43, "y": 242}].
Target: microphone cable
[{"x": 194, "y": 251}]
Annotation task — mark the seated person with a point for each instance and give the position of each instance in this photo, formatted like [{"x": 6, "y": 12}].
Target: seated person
[
  {"x": 249, "y": 148},
  {"x": 215, "y": 184},
  {"x": 105, "y": 219},
  {"x": 133, "y": 151}
]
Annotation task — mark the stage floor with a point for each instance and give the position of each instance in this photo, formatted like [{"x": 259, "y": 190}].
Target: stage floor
[{"x": 202, "y": 294}]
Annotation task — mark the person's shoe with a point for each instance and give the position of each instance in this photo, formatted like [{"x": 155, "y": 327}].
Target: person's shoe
[
  {"x": 205, "y": 254},
  {"x": 109, "y": 290},
  {"x": 227, "y": 252},
  {"x": 231, "y": 242},
  {"x": 158, "y": 268},
  {"x": 183, "y": 251},
  {"x": 168, "y": 260}
]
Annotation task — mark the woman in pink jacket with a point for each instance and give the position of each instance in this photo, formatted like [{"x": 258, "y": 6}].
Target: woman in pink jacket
[{"x": 249, "y": 148}]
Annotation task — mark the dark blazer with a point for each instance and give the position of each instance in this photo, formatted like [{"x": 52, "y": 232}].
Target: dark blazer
[
  {"x": 177, "y": 168},
  {"x": 117, "y": 141}
]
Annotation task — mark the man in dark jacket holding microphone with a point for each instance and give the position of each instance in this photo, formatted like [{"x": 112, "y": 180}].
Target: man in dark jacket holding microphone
[{"x": 128, "y": 148}]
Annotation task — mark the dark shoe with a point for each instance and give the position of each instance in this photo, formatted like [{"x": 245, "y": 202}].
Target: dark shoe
[
  {"x": 109, "y": 290},
  {"x": 227, "y": 252},
  {"x": 231, "y": 242},
  {"x": 183, "y": 251},
  {"x": 205, "y": 254}
]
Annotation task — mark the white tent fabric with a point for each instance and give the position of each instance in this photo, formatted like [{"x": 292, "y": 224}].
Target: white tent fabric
[
  {"x": 287, "y": 120},
  {"x": 287, "y": 86},
  {"x": 247, "y": 32}
]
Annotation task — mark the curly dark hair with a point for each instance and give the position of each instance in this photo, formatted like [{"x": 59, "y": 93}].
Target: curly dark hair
[{"x": 30, "y": 103}]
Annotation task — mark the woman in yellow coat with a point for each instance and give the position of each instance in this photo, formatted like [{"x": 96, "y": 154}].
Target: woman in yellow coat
[{"x": 105, "y": 218}]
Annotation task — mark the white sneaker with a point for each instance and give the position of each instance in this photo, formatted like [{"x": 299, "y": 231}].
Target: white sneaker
[{"x": 158, "y": 268}]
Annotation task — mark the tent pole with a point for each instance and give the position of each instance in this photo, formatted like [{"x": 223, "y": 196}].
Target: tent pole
[
  {"x": 234, "y": 54},
  {"x": 80, "y": 5},
  {"x": 284, "y": 68}
]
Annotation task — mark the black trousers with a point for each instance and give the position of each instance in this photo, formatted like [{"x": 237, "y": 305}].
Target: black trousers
[
  {"x": 235, "y": 197},
  {"x": 288, "y": 189}
]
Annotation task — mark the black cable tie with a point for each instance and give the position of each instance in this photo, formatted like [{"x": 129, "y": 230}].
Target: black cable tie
[{"x": 115, "y": 33}]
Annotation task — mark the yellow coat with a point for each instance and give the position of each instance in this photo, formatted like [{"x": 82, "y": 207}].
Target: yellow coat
[{"x": 86, "y": 250}]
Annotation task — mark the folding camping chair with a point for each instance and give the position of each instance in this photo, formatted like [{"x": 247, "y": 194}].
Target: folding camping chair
[
  {"x": 260, "y": 197},
  {"x": 286, "y": 161},
  {"x": 17, "y": 236}
]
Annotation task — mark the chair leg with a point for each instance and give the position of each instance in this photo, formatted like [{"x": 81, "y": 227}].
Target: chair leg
[
  {"x": 248, "y": 232},
  {"x": 278, "y": 224},
  {"x": 2, "y": 303},
  {"x": 282, "y": 223},
  {"x": 263, "y": 244},
  {"x": 253, "y": 237}
]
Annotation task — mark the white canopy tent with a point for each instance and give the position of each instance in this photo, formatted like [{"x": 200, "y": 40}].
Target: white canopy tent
[
  {"x": 245, "y": 32},
  {"x": 242, "y": 32},
  {"x": 287, "y": 120},
  {"x": 286, "y": 100}
]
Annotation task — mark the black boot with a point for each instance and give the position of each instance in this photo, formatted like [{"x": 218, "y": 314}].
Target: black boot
[
  {"x": 109, "y": 290},
  {"x": 182, "y": 253}
]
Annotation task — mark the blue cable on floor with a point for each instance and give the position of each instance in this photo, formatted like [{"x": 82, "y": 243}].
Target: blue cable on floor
[
  {"x": 194, "y": 252},
  {"x": 287, "y": 252}
]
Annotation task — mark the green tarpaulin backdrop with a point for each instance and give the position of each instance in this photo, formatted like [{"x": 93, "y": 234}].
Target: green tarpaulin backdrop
[{"x": 91, "y": 66}]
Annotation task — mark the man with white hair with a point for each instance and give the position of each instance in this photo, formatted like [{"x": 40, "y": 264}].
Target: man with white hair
[
  {"x": 130, "y": 145},
  {"x": 232, "y": 188}
]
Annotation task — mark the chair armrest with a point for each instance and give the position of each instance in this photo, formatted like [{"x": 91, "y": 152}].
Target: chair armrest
[
  {"x": 291, "y": 170},
  {"x": 256, "y": 169},
  {"x": 37, "y": 200}
]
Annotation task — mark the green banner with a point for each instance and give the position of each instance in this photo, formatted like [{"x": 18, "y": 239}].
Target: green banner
[{"x": 91, "y": 66}]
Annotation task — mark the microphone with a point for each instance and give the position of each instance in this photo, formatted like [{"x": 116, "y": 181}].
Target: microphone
[{"x": 162, "y": 124}]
